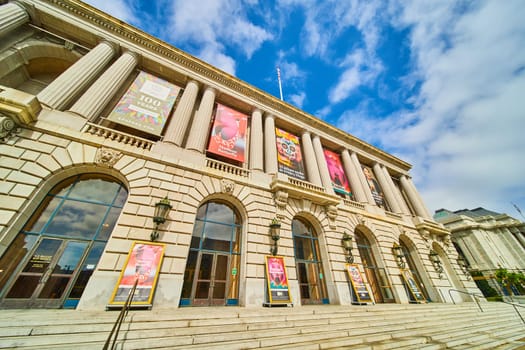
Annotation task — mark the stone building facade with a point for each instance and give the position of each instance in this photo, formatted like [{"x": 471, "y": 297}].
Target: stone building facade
[{"x": 79, "y": 185}]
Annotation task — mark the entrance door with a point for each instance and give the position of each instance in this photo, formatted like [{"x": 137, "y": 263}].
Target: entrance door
[
  {"x": 47, "y": 274},
  {"x": 212, "y": 279}
]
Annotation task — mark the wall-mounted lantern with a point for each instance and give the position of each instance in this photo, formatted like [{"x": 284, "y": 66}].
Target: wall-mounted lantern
[
  {"x": 464, "y": 267},
  {"x": 275, "y": 234},
  {"x": 346, "y": 242},
  {"x": 397, "y": 250},
  {"x": 436, "y": 261},
  {"x": 162, "y": 209}
]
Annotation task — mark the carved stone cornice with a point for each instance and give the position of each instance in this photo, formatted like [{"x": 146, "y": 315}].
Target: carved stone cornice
[{"x": 20, "y": 106}]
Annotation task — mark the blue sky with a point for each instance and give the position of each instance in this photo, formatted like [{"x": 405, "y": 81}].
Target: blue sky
[{"x": 440, "y": 84}]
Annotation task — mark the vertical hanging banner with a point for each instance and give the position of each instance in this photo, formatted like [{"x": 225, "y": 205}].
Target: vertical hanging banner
[
  {"x": 337, "y": 174},
  {"x": 143, "y": 264},
  {"x": 412, "y": 287},
  {"x": 358, "y": 284},
  {"x": 146, "y": 105},
  {"x": 289, "y": 157},
  {"x": 371, "y": 180},
  {"x": 277, "y": 280},
  {"x": 228, "y": 135}
]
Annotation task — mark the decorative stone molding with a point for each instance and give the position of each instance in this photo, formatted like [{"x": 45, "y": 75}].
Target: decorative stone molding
[
  {"x": 227, "y": 186},
  {"x": 8, "y": 127},
  {"x": 281, "y": 199},
  {"x": 331, "y": 212},
  {"x": 107, "y": 157}
]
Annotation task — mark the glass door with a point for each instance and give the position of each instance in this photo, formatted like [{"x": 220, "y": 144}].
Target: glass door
[{"x": 211, "y": 279}]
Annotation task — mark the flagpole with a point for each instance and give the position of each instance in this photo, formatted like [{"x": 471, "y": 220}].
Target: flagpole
[
  {"x": 518, "y": 209},
  {"x": 280, "y": 85}
]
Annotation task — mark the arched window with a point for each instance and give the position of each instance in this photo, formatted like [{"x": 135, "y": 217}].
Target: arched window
[
  {"x": 308, "y": 263},
  {"x": 52, "y": 258},
  {"x": 212, "y": 269},
  {"x": 413, "y": 268}
]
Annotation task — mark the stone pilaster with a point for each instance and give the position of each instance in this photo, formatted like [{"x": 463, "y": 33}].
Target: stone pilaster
[
  {"x": 270, "y": 150},
  {"x": 310, "y": 160},
  {"x": 63, "y": 89},
  {"x": 353, "y": 177},
  {"x": 200, "y": 126},
  {"x": 256, "y": 141},
  {"x": 413, "y": 197},
  {"x": 180, "y": 119},
  {"x": 387, "y": 190},
  {"x": 322, "y": 166},
  {"x": 362, "y": 180},
  {"x": 395, "y": 192},
  {"x": 12, "y": 15},
  {"x": 93, "y": 101}
]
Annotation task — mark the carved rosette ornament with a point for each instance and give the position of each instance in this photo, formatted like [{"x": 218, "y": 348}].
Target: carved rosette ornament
[
  {"x": 8, "y": 128},
  {"x": 107, "y": 157},
  {"x": 227, "y": 186}
]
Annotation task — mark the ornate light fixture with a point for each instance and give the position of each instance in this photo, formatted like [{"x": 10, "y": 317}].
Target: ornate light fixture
[
  {"x": 464, "y": 267},
  {"x": 436, "y": 261},
  {"x": 162, "y": 209},
  {"x": 275, "y": 231},
  {"x": 397, "y": 250},
  {"x": 346, "y": 242}
]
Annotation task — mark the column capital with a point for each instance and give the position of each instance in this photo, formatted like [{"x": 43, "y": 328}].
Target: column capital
[{"x": 113, "y": 45}]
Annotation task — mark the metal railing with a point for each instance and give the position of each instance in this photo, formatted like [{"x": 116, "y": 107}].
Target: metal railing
[
  {"x": 123, "y": 313},
  {"x": 515, "y": 309},
  {"x": 473, "y": 295}
]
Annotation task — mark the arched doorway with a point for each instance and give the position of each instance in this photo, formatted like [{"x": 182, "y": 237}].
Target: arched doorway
[
  {"x": 376, "y": 275},
  {"x": 212, "y": 269},
  {"x": 52, "y": 258},
  {"x": 312, "y": 285},
  {"x": 414, "y": 270}
]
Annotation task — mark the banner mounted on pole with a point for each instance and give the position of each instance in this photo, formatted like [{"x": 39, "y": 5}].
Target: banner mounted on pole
[{"x": 228, "y": 135}]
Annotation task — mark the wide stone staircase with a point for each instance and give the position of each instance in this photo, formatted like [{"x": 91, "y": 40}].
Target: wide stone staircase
[{"x": 393, "y": 326}]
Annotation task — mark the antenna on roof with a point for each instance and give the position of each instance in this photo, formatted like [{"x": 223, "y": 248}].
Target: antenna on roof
[{"x": 280, "y": 85}]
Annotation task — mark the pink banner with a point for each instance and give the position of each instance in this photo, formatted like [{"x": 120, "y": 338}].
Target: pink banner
[
  {"x": 228, "y": 135},
  {"x": 337, "y": 174}
]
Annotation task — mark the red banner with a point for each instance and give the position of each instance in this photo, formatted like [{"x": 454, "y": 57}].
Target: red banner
[
  {"x": 228, "y": 135},
  {"x": 337, "y": 174}
]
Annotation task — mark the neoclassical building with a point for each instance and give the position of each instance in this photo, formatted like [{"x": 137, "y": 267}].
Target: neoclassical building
[{"x": 101, "y": 124}]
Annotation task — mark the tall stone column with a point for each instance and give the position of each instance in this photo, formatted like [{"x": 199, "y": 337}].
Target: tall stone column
[
  {"x": 519, "y": 236},
  {"x": 63, "y": 89},
  {"x": 387, "y": 190},
  {"x": 180, "y": 119},
  {"x": 256, "y": 141},
  {"x": 200, "y": 127},
  {"x": 395, "y": 192},
  {"x": 12, "y": 15},
  {"x": 353, "y": 177},
  {"x": 270, "y": 150},
  {"x": 322, "y": 166},
  {"x": 93, "y": 101},
  {"x": 362, "y": 180},
  {"x": 310, "y": 160},
  {"x": 413, "y": 197}
]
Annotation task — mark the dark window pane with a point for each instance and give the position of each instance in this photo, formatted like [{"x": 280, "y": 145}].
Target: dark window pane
[
  {"x": 217, "y": 237},
  {"x": 196, "y": 236},
  {"x": 121, "y": 197},
  {"x": 221, "y": 269},
  {"x": 303, "y": 248},
  {"x": 97, "y": 190},
  {"x": 43, "y": 214},
  {"x": 63, "y": 188},
  {"x": 42, "y": 256},
  {"x": 220, "y": 213},
  {"x": 70, "y": 258},
  {"x": 189, "y": 273},
  {"x": 54, "y": 288},
  {"x": 219, "y": 290},
  {"x": 14, "y": 255},
  {"x": 77, "y": 220},
  {"x": 109, "y": 224},
  {"x": 206, "y": 266},
  {"x": 24, "y": 287},
  {"x": 87, "y": 270},
  {"x": 202, "y": 291}
]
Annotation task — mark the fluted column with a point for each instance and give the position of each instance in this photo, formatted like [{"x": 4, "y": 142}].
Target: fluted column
[
  {"x": 256, "y": 141},
  {"x": 310, "y": 160},
  {"x": 353, "y": 177},
  {"x": 413, "y": 196},
  {"x": 395, "y": 192},
  {"x": 200, "y": 126},
  {"x": 322, "y": 166},
  {"x": 63, "y": 89},
  {"x": 179, "y": 120},
  {"x": 270, "y": 149},
  {"x": 519, "y": 236},
  {"x": 12, "y": 15},
  {"x": 93, "y": 101},
  {"x": 362, "y": 180},
  {"x": 387, "y": 190}
]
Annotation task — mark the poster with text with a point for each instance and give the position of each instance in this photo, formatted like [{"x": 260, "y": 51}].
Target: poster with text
[
  {"x": 142, "y": 265},
  {"x": 228, "y": 135},
  {"x": 411, "y": 284},
  {"x": 146, "y": 105},
  {"x": 371, "y": 180},
  {"x": 358, "y": 284},
  {"x": 337, "y": 174},
  {"x": 289, "y": 156},
  {"x": 277, "y": 280}
]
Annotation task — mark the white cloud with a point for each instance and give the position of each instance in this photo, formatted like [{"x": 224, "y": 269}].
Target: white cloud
[{"x": 297, "y": 99}]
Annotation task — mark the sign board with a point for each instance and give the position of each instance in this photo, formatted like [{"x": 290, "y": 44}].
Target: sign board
[
  {"x": 412, "y": 286},
  {"x": 277, "y": 280},
  {"x": 358, "y": 284},
  {"x": 143, "y": 264}
]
